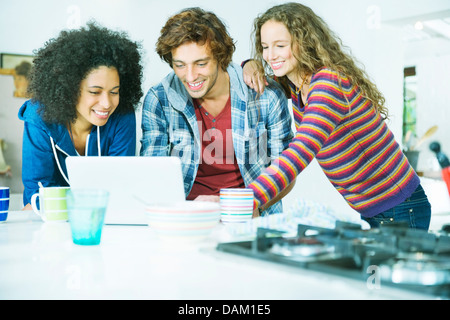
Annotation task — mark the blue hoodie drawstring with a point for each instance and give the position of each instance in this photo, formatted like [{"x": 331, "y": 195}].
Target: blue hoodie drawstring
[
  {"x": 57, "y": 161},
  {"x": 98, "y": 142},
  {"x": 56, "y": 156}
]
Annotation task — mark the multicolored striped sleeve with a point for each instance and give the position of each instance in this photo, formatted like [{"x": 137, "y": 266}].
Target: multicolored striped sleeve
[{"x": 326, "y": 108}]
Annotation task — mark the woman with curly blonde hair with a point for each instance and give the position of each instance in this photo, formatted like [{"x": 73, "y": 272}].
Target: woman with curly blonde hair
[{"x": 339, "y": 115}]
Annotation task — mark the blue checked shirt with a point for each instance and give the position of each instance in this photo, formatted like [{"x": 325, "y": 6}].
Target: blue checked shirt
[{"x": 261, "y": 127}]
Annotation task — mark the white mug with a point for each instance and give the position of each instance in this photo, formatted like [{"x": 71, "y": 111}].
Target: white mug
[{"x": 236, "y": 204}]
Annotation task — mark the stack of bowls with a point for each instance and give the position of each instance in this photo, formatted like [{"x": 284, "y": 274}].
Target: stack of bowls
[{"x": 190, "y": 220}]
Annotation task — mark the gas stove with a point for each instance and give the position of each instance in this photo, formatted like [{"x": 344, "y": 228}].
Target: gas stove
[{"x": 393, "y": 255}]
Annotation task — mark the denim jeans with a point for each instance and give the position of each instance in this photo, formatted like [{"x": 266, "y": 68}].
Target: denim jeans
[{"x": 415, "y": 211}]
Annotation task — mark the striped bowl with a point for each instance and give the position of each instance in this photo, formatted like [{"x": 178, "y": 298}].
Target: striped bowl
[{"x": 191, "y": 220}]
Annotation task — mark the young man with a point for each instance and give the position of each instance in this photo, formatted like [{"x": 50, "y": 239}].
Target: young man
[{"x": 204, "y": 113}]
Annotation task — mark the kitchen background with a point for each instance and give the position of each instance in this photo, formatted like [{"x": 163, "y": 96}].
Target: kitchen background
[{"x": 388, "y": 37}]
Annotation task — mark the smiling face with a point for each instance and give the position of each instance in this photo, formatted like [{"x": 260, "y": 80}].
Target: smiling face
[
  {"x": 277, "y": 50},
  {"x": 199, "y": 71},
  {"x": 99, "y": 97}
]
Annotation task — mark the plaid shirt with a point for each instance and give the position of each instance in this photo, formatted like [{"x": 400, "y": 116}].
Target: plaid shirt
[{"x": 261, "y": 127}]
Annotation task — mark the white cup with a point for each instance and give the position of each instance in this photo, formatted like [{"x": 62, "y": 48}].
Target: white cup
[{"x": 236, "y": 205}]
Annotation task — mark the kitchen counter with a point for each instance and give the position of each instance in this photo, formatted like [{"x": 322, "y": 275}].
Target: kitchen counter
[{"x": 39, "y": 261}]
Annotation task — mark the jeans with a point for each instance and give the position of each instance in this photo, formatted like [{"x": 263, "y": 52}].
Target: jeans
[{"x": 415, "y": 211}]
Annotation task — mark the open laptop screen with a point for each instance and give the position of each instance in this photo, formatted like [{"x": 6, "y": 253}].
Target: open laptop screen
[{"x": 131, "y": 182}]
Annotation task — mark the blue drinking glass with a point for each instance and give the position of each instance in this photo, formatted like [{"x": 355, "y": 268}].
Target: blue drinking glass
[{"x": 87, "y": 209}]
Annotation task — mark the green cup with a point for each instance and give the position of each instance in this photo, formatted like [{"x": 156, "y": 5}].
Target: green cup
[{"x": 52, "y": 204}]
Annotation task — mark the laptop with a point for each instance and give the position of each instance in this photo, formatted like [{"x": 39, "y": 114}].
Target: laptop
[{"x": 132, "y": 183}]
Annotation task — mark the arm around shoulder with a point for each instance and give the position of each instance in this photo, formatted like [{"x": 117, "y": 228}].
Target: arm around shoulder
[{"x": 280, "y": 120}]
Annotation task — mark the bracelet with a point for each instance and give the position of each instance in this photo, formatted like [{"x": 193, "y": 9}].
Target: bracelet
[{"x": 244, "y": 62}]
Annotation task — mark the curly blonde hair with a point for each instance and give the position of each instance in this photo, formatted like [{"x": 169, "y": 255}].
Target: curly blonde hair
[{"x": 315, "y": 46}]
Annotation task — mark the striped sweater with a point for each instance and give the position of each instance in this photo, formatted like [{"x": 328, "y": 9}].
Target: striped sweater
[{"x": 352, "y": 144}]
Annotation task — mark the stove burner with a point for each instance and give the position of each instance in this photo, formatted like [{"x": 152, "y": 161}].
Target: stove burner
[
  {"x": 417, "y": 269},
  {"x": 301, "y": 250},
  {"x": 406, "y": 258}
]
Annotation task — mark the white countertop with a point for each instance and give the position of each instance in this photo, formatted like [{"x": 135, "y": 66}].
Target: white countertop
[{"x": 39, "y": 261}]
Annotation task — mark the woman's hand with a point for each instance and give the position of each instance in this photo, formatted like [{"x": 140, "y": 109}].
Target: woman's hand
[{"x": 253, "y": 77}]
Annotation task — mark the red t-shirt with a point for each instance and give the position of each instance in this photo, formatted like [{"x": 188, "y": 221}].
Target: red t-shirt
[{"x": 218, "y": 167}]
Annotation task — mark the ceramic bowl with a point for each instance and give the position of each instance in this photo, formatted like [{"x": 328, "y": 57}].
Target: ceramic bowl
[{"x": 187, "y": 220}]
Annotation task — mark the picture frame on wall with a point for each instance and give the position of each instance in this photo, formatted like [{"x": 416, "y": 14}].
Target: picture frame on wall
[
  {"x": 11, "y": 60},
  {"x": 19, "y": 66}
]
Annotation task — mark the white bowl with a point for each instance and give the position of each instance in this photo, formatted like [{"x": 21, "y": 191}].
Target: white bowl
[{"x": 187, "y": 220}]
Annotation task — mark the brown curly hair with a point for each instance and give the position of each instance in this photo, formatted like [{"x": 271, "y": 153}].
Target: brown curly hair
[
  {"x": 314, "y": 46},
  {"x": 199, "y": 26}
]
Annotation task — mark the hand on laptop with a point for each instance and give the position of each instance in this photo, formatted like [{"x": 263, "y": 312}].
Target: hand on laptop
[{"x": 209, "y": 198}]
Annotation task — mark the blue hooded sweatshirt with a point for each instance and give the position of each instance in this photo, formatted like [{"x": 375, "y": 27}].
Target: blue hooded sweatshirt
[{"x": 46, "y": 146}]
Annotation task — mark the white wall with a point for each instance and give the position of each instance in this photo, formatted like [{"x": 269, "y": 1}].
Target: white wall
[
  {"x": 433, "y": 101},
  {"x": 25, "y": 25},
  {"x": 11, "y": 132}
]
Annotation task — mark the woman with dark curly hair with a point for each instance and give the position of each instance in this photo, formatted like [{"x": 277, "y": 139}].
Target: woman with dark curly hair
[{"x": 85, "y": 86}]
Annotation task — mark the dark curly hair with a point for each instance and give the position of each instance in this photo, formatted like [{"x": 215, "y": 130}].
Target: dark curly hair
[
  {"x": 61, "y": 65},
  {"x": 199, "y": 26}
]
